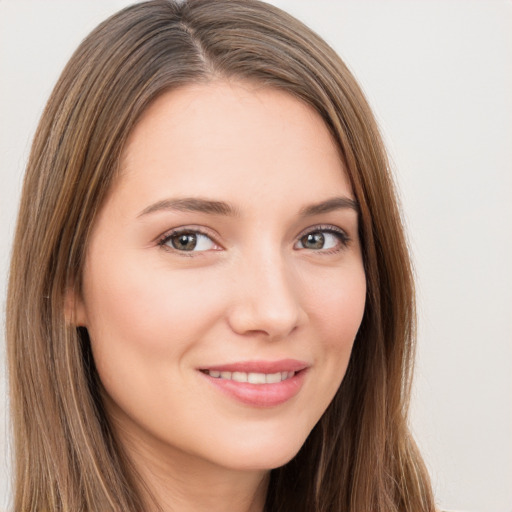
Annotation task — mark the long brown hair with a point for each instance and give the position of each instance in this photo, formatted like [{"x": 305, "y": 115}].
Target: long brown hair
[{"x": 360, "y": 456}]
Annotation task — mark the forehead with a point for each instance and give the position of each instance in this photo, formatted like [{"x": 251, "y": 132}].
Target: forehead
[{"x": 221, "y": 136}]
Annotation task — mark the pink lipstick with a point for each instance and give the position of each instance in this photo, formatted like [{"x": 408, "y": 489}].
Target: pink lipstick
[{"x": 258, "y": 383}]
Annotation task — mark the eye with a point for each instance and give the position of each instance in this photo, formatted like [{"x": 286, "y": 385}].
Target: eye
[
  {"x": 188, "y": 241},
  {"x": 323, "y": 239}
]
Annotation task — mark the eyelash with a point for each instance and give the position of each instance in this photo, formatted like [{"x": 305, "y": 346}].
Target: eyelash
[
  {"x": 166, "y": 238},
  {"x": 341, "y": 235}
]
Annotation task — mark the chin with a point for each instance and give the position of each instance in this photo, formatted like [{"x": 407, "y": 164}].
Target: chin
[{"x": 263, "y": 456}]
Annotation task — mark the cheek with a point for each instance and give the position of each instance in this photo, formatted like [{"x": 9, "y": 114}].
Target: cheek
[
  {"x": 139, "y": 320},
  {"x": 336, "y": 311},
  {"x": 144, "y": 327},
  {"x": 337, "y": 305},
  {"x": 155, "y": 305}
]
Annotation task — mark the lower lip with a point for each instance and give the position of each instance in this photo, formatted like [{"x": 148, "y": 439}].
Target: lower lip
[{"x": 260, "y": 395}]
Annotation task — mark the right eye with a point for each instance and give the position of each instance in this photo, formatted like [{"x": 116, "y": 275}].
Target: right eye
[{"x": 188, "y": 241}]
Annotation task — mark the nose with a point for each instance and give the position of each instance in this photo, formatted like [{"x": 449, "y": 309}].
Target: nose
[{"x": 266, "y": 300}]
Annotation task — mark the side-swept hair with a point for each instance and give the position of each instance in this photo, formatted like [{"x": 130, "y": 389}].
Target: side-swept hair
[{"x": 360, "y": 457}]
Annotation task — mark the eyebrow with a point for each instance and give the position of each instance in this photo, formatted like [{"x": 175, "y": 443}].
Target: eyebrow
[
  {"x": 191, "y": 204},
  {"x": 335, "y": 203},
  {"x": 194, "y": 204}
]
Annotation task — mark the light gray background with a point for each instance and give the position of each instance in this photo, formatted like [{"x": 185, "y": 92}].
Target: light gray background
[{"x": 439, "y": 76}]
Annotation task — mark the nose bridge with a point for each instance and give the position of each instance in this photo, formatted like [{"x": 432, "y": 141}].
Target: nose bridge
[{"x": 266, "y": 300}]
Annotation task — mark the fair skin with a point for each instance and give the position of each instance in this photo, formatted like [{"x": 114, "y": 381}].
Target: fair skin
[{"x": 227, "y": 250}]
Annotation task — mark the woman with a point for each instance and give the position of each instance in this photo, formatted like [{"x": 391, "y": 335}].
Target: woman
[{"x": 210, "y": 303}]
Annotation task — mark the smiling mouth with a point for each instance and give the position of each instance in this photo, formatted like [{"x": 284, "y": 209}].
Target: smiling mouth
[
  {"x": 258, "y": 383},
  {"x": 251, "y": 377}
]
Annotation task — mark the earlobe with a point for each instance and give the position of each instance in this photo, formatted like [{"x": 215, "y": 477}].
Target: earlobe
[{"x": 74, "y": 308}]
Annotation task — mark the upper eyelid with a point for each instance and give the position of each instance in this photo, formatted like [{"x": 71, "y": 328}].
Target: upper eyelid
[
  {"x": 325, "y": 227},
  {"x": 187, "y": 229},
  {"x": 344, "y": 240},
  {"x": 162, "y": 242}
]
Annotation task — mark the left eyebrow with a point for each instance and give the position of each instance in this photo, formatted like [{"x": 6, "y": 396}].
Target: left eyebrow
[
  {"x": 336, "y": 203},
  {"x": 191, "y": 204}
]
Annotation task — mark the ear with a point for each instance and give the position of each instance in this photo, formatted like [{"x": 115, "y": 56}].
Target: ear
[{"x": 74, "y": 308}]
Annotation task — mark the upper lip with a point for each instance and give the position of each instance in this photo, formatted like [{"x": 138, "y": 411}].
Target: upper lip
[{"x": 282, "y": 365}]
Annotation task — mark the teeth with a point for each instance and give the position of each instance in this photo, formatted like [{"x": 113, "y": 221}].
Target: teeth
[
  {"x": 239, "y": 376},
  {"x": 251, "y": 378},
  {"x": 256, "y": 378},
  {"x": 272, "y": 378}
]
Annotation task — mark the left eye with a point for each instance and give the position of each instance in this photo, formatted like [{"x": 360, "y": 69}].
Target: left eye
[
  {"x": 321, "y": 240},
  {"x": 189, "y": 241}
]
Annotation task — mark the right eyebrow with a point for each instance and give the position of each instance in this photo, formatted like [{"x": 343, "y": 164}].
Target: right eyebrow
[{"x": 191, "y": 204}]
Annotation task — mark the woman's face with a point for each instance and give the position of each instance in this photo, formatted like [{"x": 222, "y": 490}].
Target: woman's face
[{"x": 224, "y": 283}]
